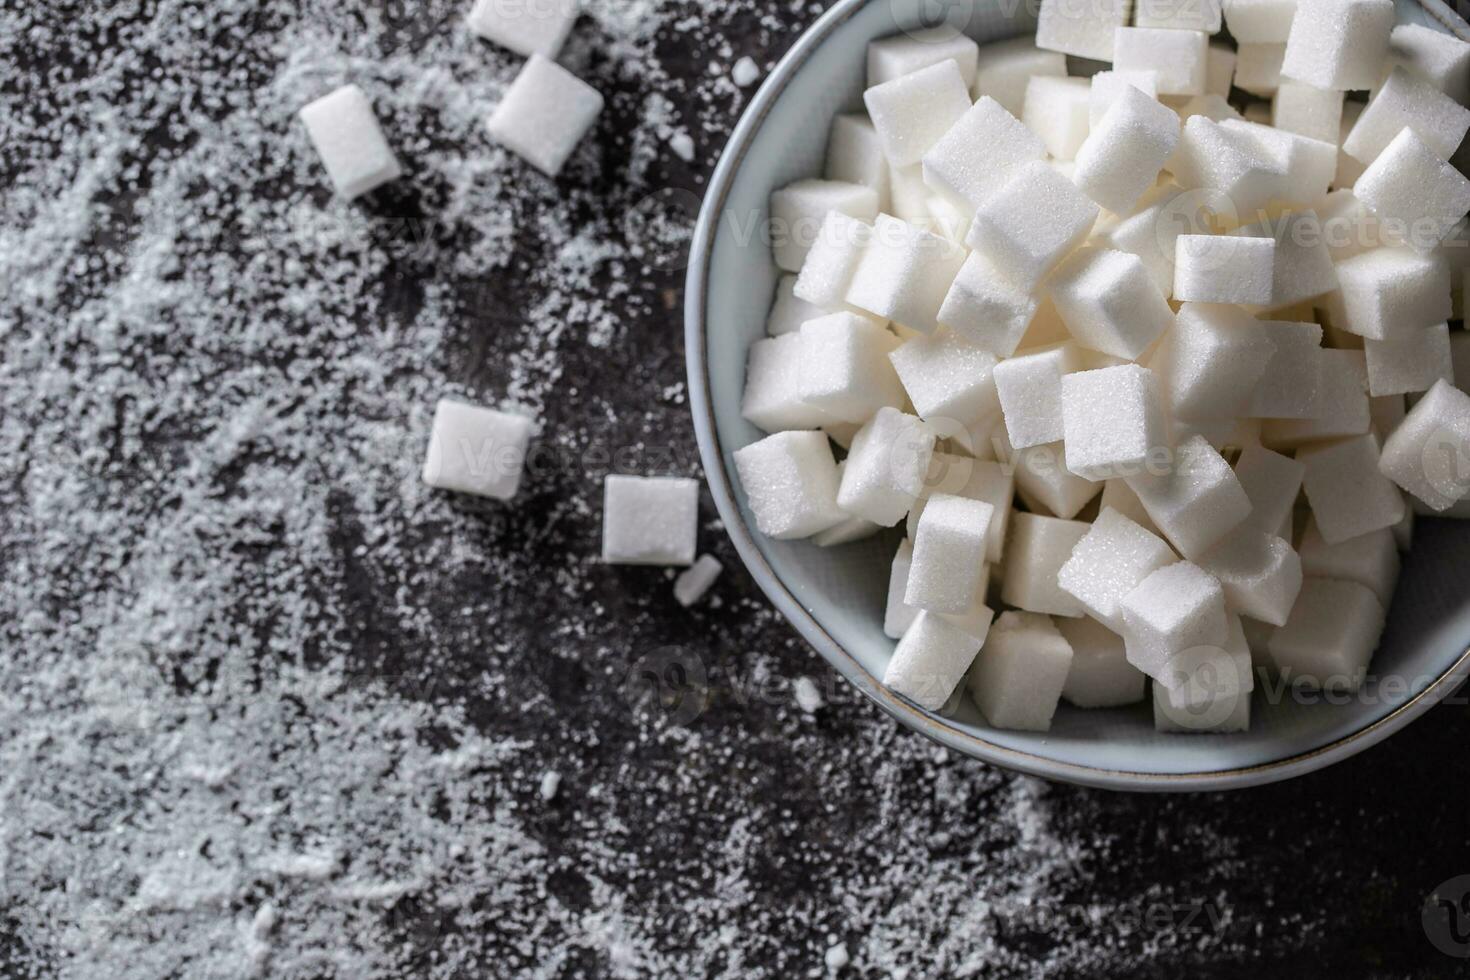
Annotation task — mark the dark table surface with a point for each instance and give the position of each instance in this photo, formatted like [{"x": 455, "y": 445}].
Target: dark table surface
[{"x": 270, "y": 707}]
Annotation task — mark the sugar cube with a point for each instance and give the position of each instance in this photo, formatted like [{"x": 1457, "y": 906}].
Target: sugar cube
[
  {"x": 1034, "y": 220},
  {"x": 1412, "y": 361},
  {"x": 1174, "y": 609},
  {"x": 930, "y": 660},
  {"x": 886, "y": 467},
  {"x": 986, "y": 308},
  {"x": 1109, "y": 302},
  {"x": 1107, "y": 86},
  {"x": 908, "y": 195},
  {"x": 1330, "y": 637},
  {"x": 1215, "y": 685},
  {"x": 913, "y": 111},
  {"x": 1226, "y": 715},
  {"x": 1100, "y": 675},
  {"x": 791, "y": 482},
  {"x": 1019, "y": 675},
  {"x": 1370, "y": 559},
  {"x": 905, "y": 274},
  {"x": 799, "y": 210},
  {"x": 1304, "y": 268},
  {"x": 1035, "y": 552},
  {"x": 1196, "y": 501},
  {"x": 983, "y": 480},
  {"x": 832, "y": 260},
  {"x": 1211, "y": 106},
  {"x": 349, "y": 140},
  {"x": 1429, "y": 453},
  {"x": 1120, "y": 497},
  {"x": 1348, "y": 169},
  {"x": 773, "y": 401},
  {"x": 1348, "y": 494},
  {"x": 1291, "y": 385},
  {"x": 1219, "y": 70},
  {"x": 1057, "y": 110},
  {"x": 898, "y": 616},
  {"x": 1150, "y": 233},
  {"x": 903, "y": 54},
  {"x": 949, "y": 379},
  {"x": 544, "y": 114},
  {"x": 1271, "y": 482},
  {"x": 1112, "y": 420},
  {"x": 1212, "y": 360},
  {"x": 1006, "y": 67},
  {"x": 1258, "y": 68},
  {"x": 477, "y": 450},
  {"x": 1260, "y": 573},
  {"x": 949, "y": 553},
  {"x": 527, "y": 29},
  {"x": 1029, "y": 387},
  {"x": 1440, "y": 59},
  {"x": 1081, "y": 29},
  {"x": 1409, "y": 185},
  {"x": 1308, "y": 110},
  {"x": 1342, "y": 404},
  {"x": 1387, "y": 291},
  {"x": 947, "y": 219},
  {"x": 788, "y": 311},
  {"x": 1338, "y": 44},
  {"x": 855, "y": 155},
  {"x": 1178, "y": 56},
  {"x": 1236, "y": 170},
  {"x": 1308, "y": 165},
  {"x": 1179, "y": 15},
  {"x": 695, "y": 581},
  {"x": 652, "y": 520},
  {"x": 976, "y": 156},
  {"x": 844, "y": 368},
  {"x": 1408, "y": 102},
  {"x": 850, "y": 530},
  {"x": 1108, "y": 562},
  {"x": 1122, "y": 157},
  {"x": 1044, "y": 483},
  {"x": 1259, "y": 21},
  {"x": 1224, "y": 269}
]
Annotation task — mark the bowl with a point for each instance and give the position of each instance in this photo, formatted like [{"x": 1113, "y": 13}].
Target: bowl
[{"x": 835, "y": 597}]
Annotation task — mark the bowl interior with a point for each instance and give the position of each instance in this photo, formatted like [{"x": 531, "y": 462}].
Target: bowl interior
[{"x": 836, "y": 596}]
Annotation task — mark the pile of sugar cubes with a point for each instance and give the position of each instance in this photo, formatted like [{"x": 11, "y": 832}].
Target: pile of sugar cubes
[{"x": 1153, "y": 357}]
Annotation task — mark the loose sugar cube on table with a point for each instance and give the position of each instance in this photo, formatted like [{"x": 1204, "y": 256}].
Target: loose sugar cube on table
[
  {"x": 1224, "y": 269},
  {"x": 1178, "y": 15},
  {"x": 1338, "y": 44},
  {"x": 1127, "y": 148},
  {"x": 832, "y": 260},
  {"x": 976, "y": 156},
  {"x": 1440, "y": 59},
  {"x": 1195, "y": 501},
  {"x": 1260, "y": 573},
  {"x": 799, "y": 210},
  {"x": 1100, "y": 675},
  {"x": 844, "y": 368},
  {"x": 1429, "y": 453},
  {"x": 1412, "y": 361},
  {"x": 986, "y": 308},
  {"x": 788, "y": 311},
  {"x": 1036, "y": 550},
  {"x": 886, "y": 467},
  {"x": 1081, "y": 29},
  {"x": 855, "y": 155},
  {"x": 931, "y": 660},
  {"x": 1057, "y": 110},
  {"x": 694, "y": 582},
  {"x": 1108, "y": 562},
  {"x": 1007, "y": 66},
  {"x": 949, "y": 379},
  {"x": 1029, "y": 387},
  {"x": 1109, "y": 302},
  {"x": 1272, "y": 483},
  {"x": 1416, "y": 190},
  {"x": 350, "y": 142},
  {"x": 544, "y": 114},
  {"x": 1343, "y": 408},
  {"x": 903, "y": 54},
  {"x": 911, "y": 113},
  {"x": 1177, "y": 608},
  {"x": 791, "y": 481},
  {"x": 1329, "y": 640},
  {"x": 905, "y": 274},
  {"x": 1348, "y": 494},
  {"x": 1034, "y": 220},
  {"x": 527, "y": 29},
  {"x": 773, "y": 399},
  {"x": 1258, "y": 68},
  {"x": 1107, "y": 86},
  {"x": 1291, "y": 385},
  {"x": 1179, "y": 57},
  {"x": 1212, "y": 360},
  {"x": 1112, "y": 420},
  {"x": 1370, "y": 559},
  {"x": 477, "y": 450},
  {"x": 949, "y": 554},
  {"x": 1407, "y": 102},
  {"x": 1308, "y": 110},
  {"x": 1259, "y": 21},
  {"x": 1386, "y": 291},
  {"x": 1019, "y": 675},
  {"x": 653, "y": 520}
]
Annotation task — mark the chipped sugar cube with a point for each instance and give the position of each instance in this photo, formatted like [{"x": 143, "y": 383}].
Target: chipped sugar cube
[
  {"x": 1343, "y": 408},
  {"x": 1440, "y": 59},
  {"x": 1224, "y": 269},
  {"x": 1007, "y": 66},
  {"x": 653, "y": 520},
  {"x": 1329, "y": 640},
  {"x": 1179, "y": 56},
  {"x": 1370, "y": 559},
  {"x": 1108, "y": 562},
  {"x": 1308, "y": 111},
  {"x": 799, "y": 210},
  {"x": 855, "y": 155},
  {"x": 1082, "y": 29},
  {"x": 694, "y": 582},
  {"x": 1123, "y": 155},
  {"x": 1413, "y": 360},
  {"x": 903, "y": 54},
  {"x": 1338, "y": 44},
  {"x": 1271, "y": 482},
  {"x": 949, "y": 553},
  {"x": 949, "y": 379},
  {"x": 832, "y": 260},
  {"x": 897, "y": 616},
  {"x": 1019, "y": 675},
  {"x": 1260, "y": 573},
  {"x": 1057, "y": 110},
  {"x": 1387, "y": 291},
  {"x": 477, "y": 450},
  {"x": 544, "y": 114},
  {"x": 1107, "y": 86},
  {"x": 1348, "y": 494},
  {"x": 1291, "y": 385},
  {"x": 1259, "y": 21},
  {"x": 1258, "y": 68},
  {"x": 912, "y": 112},
  {"x": 1029, "y": 387},
  {"x": 349, "y": 140},
  {"x": 844, "y": 368},
  {"x": 977, "y": 155},
  {"x": 886, "y": 467},
  {"x": 1100, "y": 675},
  {"x": 525, "y": 28},
  {"x": 986, "y": 308},
  {"x": 1212, "y": 360},
  {"x": 1177, "y": 608},
  {"x": 1412, "y": 188},
  {"x": 905, "y": 274},
  {"x": 931, "y": 660},
  {"x": 1036, "y": 550},
  {"x": 772, "y": 401},
  {"x": 1196, "y": 500},
  {"x": 1407, "y": 102},
  {"x": 788, "y": 311},
  {"x": 1429, "y": 453},
  {"x": 1034, "y": 220},
  {"x": 790, "y": 481},
  {"x": 1112, "y": 420},
  {"x": 1178, "y": 15},
  {"x": 1109, "y": 302}
]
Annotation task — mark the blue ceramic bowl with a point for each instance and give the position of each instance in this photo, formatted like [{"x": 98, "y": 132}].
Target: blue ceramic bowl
[{"x": 835, "y": 597}]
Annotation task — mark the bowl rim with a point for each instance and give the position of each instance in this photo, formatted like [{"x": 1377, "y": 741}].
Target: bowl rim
[{"x": 926, "y": 723}]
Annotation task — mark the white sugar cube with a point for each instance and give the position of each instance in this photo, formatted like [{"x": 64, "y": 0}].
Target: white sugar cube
[
  {"x": 544, "y": 114},
  {"x": 1179, "y": 57},
  {"x": 1219, "y": 70},
  {"x": 1043, "y": 482},
  {"x": 903, "y": 54},
  {"x": 1440, "y": 59},
  {"x": 1019, "y": 675},
  {"x": 477, "y": 450},
  {"x": 350, "y": 142},
  {"x": 799, "y": 210},
  {"x": 949, "y": 553},
  {"x": 1120, "y": 497},
  {"x": 845, "y": 372},
  {"x": 1112, "y": 420},
  {"x": 1057, "y": 110},
  {"x": 1225, "y": 716},
  {"x": 1338, "y": 44},
  {"x": 1029, "y": 387},
  {"x": 1308, "y": 164},
  {"x": 1108, "y": 562},
  {"x": 1259, "y": 21},
  {"x": 908, "y": 195},
  {"x": 1348, "y": 169},
  {"x": 1304, "y": 268},
  {"x": 1271, "y": 482},
  {"x": 1258, "y": 68},
  {"x": 886, "y": 467},
  {"x": 1412, "y": 187},
  {"x": 1174, "y": 609},
  {"x": 1412, "y": 361},
  {"x": 1209, "y": 675},
  {"x": 949, "y": 379},
  {"x": 897, "y": 616},
  {"x": 1238, "y": 171},
  {"x": 912, "y": 112},
  {"x": 855, "y": 154},
  {"x": 1081, "y": 29},
  {"x": 1196, "y": 501},
  {"x": 1342, "y": 404},
  {"x": 1224, "y": 269},
  {"x": 850, "y": 530},
  {"x": 653, "y": 520},
  {"x": 788, "y": 311},
  {"x": 1127, "y": 148},
  {"x": 1308, "y": 110},
  {"x": 773, "y": 401},
  {"x": 947, "y": 218},
  {"x": 694, "y": 582},
  {"x": 1006, "y": 67},
  {"x": 1348, "y": 494},
  {"x": 1212, "y": 360},
  {"x": 1100, "y": 675},
  {"x": 1405, "y": 101},
  {"x": 976, "y": 156},
  {"x": 1389, "y": 290},
  {"x": 1109, "y": 302},
  {"x": 1024, "y": 228},
  {"x": 931, "y": 660},
  {"x": 1107, "y": 86},
  {"x": 1211, "y": 106},
  {"x": 1036, "y": 550},
  {"x": 1429, "y": 453},
  {"x": 1150, "y": 234},
  {"x": 986, "y": 480},
  {"x": 1260, "y": 573},
  {"x": 525, "y": 28},
  {"x": 905, "y": 274},
  {"x": 1331, "y": 635},
  {"x": 1178, "y": 15},
  {"x": 1291, "y": 385},
  {"x": 986, "y": 308},
  {"x": 791, "y": 481},
  {"x": 832, "y": 260},
  {"x": 1369, "y": 559}
]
